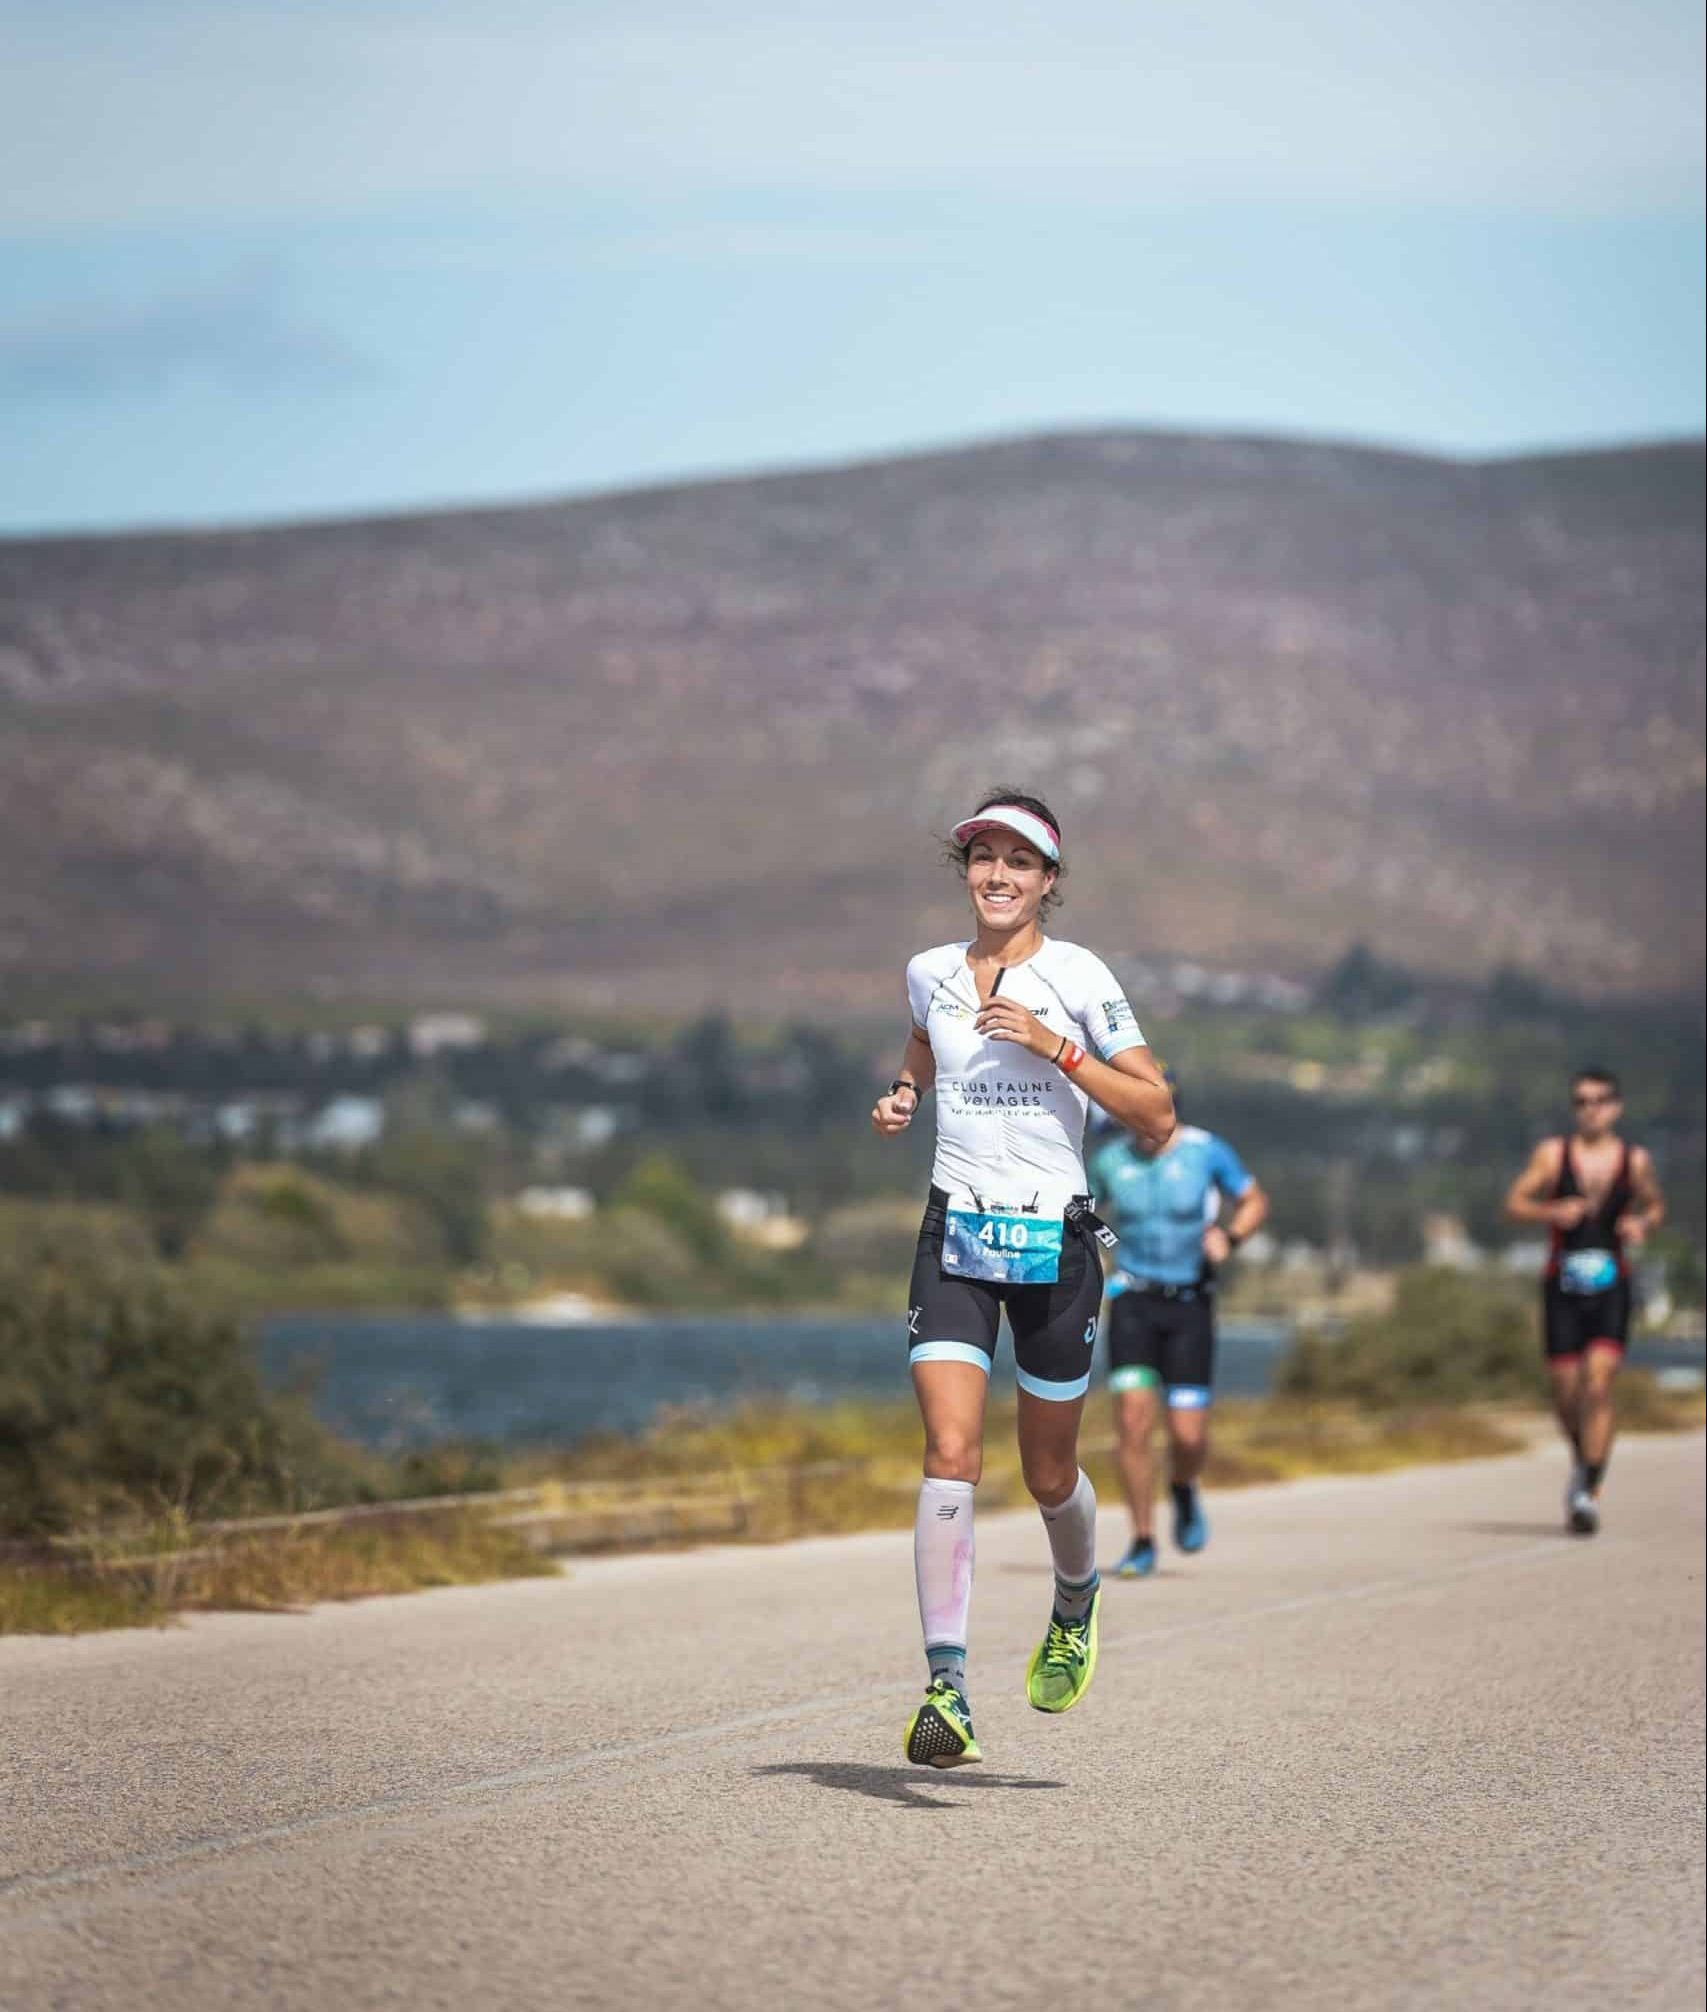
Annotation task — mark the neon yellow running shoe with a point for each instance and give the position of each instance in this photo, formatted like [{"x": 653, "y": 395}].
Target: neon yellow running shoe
[
  {"x": 1064, "y": 1662},
  {"x": 939, "y": 1734}
]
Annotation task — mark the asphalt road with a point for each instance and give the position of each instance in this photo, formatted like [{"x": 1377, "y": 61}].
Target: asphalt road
[{"x": 1388, "y": 1743}]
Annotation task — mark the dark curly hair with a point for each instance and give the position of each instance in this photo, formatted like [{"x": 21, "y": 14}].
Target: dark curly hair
[{"x": 955, "y": 855}]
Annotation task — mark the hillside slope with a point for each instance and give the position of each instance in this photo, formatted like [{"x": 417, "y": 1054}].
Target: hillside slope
[{"x": 1282, "y": 694}]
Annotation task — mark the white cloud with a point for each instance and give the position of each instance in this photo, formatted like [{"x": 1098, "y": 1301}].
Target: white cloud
[{"x": 115, "y": 115}]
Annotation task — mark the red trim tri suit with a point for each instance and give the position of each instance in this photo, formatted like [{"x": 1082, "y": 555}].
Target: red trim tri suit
[{"x": 1586, "y": 1288}]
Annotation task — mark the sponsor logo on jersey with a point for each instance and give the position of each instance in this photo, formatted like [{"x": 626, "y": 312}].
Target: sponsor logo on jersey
[
  {"x": 979, "y": 1094},
  {"x": 1118, "y": 1014}
]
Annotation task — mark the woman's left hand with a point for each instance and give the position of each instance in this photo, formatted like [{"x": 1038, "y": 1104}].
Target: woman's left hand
[{"x": 1007, "y": 1020}]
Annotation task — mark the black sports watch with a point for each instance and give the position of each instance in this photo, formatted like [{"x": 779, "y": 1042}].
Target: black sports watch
[{"x": 905, "y": 1083}]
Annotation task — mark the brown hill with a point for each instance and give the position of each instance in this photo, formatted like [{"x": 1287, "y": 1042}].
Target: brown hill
[{"x": 690, "y": 743}]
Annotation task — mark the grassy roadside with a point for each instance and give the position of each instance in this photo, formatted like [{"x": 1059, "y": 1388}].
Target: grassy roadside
[
  {"x": 278, "y": 1572},
  {"x": 761, "y": 1474}
]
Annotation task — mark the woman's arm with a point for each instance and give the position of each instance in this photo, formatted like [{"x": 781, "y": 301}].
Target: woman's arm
[
  {"x": 1130, "y": 1088},
  {"x": 895, "y": 1108}
]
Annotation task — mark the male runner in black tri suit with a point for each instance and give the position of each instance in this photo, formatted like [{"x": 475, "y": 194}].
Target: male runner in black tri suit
[{"x": 1599, "y": 1198}]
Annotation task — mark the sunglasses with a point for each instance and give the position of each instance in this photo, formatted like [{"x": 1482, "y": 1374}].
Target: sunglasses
[{"x": 1586, "y": 1100}]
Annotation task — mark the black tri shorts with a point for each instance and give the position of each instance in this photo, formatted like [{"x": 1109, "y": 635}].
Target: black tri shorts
[
  {"x": 1163, "y": 1340},
  {"x": 1054, "y": 1327},
  {"x": 1574, "y": 1321}
]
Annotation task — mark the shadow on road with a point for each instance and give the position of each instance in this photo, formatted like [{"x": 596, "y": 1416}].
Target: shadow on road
[
  {"x": 898, "y": 1784},
  {"x": 1520, "y": 1530}
]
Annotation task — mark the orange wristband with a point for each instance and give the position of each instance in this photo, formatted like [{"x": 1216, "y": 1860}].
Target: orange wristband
[{"x": 1071, "y": 1059}]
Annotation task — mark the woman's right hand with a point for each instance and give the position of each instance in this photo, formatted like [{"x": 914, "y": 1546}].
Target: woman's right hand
[{"x": 893, "y": 1112}]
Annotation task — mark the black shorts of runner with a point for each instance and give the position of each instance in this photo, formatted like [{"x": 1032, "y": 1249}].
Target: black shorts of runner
[
  {"x": 1054, "y": 1326},
  {"x": 1575, "y": 1321},
  {"x": 1161, "y": 1340}
]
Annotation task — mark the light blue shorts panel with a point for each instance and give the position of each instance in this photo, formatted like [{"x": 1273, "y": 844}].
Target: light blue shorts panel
[
  {"x": 1189, "y": 1397},
  {"x": 949, "y": 1351},
  {"x": 1056, "y": 1393}
]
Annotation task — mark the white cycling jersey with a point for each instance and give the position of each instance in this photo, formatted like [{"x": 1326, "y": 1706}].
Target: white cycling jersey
[{"x": 1010, "y": 1126}]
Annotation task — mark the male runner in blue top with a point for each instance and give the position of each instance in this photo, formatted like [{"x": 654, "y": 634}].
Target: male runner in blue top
[{"x": 1166, "y": 1206}]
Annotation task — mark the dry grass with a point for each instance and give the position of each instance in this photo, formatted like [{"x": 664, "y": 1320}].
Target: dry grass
[
  {"x": 801, "y": 1472},
  {"x": 65, "y": 1603},
  {"x": 1644, "y": 1406},
  {"x": 279, "y": 1572},
  {"x": 763, "y": 1473}
]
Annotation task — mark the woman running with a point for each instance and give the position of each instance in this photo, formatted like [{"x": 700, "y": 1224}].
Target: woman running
[{"x": 1016, "y": 1031}]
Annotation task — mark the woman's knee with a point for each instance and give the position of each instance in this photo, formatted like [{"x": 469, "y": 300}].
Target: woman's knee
[
  {"x": 1050, "y": 1476},
  {"x": 952, "y": 1454}
]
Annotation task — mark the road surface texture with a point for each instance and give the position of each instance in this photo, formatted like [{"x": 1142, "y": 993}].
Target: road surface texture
[{"x": 1390, "y": 1742}]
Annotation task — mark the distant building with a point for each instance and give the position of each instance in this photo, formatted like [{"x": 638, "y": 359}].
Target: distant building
[
  {"x": 346, "y": 1125},
  {"x": 582, "y": 1128},
  {"x": 762, "y": 1219},
  {"x": 1447, "y": 1243},
  {"x": 443, "y": 1033},
  {"x": 563, "y": 1205},
  {"x": 76, "y": 1103}
]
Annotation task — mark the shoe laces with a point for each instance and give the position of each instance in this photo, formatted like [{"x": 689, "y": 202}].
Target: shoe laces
[
  {"x": 1064, "y": 1645},
  {"x": 944, "y": 1691}
]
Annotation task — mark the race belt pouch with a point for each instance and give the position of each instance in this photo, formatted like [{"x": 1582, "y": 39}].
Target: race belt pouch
[
  {"x": 1003, "y": 1249},
  {"x": 1081, "y": 1216},
  {"x": 1588, "y": 1271}
]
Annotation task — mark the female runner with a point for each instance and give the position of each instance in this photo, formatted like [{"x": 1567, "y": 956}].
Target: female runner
[{"x": 1016, "y": 1031}]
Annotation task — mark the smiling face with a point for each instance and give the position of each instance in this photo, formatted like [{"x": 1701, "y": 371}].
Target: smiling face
[{"x": 1007, "y": 879}]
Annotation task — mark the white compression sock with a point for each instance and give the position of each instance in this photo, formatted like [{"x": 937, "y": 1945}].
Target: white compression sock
[
  {"x": 1072, "y": 1527},
  {"x": 942, "y": 1564}
]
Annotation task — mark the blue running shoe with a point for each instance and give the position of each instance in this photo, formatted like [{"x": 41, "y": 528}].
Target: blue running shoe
[
  {"x": 1191, "y": 1526},
  {"x": 1140, "y": 1560}
]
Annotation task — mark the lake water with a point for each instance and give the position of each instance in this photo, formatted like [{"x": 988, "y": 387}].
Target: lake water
[{"x": 399, "y": 1380}]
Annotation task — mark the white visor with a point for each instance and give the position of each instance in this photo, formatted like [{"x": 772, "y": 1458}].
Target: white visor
[{"x": 1009, "y": 817}]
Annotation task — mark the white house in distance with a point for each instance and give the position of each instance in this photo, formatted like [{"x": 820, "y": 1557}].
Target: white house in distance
[
  {"x": 440, "y": 1033},
  {"x": 347, "y": 1124},
  {"x": 559, "y": 1205},
  {"x": 762, "y": 1219}
]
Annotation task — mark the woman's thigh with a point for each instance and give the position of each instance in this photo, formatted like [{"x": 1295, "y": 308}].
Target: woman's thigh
[{"x": 951, "y": 1403}]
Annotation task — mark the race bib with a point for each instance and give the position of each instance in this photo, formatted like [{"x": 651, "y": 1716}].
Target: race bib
[
  {"x": 1588, "y": 1271},
  {"x": 1007, "y": 1250}
]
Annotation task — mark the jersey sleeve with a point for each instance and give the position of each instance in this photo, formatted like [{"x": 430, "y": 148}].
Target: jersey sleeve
[
  {"x": 919, "y": 991},
  {"x": 1102, "y": 1009},
  {"x": 1228, "y": 1172}
]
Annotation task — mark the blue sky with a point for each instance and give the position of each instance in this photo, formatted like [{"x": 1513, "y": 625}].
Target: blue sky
[{"x": 262, "y": 261}]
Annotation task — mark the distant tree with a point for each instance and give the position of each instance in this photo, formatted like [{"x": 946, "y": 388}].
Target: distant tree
[
  {"x": 660, "y": 1186},
  {"x": 170, "y": 1183},
  {"x": 1362, "y": 987}
]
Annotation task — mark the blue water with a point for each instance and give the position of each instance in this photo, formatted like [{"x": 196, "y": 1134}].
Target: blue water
[{"x": 401, "y": 1380}]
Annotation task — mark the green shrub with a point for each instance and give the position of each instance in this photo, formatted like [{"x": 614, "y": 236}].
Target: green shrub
[
  {"x": 1451, "y": 1338},
  {"x": 117, "y": 1401}
]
